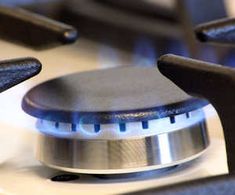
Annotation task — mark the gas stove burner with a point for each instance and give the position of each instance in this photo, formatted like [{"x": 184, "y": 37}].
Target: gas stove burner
[{"x": 114, "y": 121}]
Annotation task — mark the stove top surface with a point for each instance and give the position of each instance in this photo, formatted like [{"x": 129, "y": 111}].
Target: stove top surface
[{"x": 21, "y": 172}]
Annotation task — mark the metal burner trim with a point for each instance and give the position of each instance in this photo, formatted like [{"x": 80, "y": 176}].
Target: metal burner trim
[{"x": 123, "y": 156}]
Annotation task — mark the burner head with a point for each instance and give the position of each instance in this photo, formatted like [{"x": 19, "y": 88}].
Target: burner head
[
  {"x": 116, "y": 120},
  {"x": 116, "y": 95}
]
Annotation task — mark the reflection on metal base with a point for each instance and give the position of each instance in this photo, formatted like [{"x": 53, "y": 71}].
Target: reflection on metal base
[{"x": 124, "y": 155}]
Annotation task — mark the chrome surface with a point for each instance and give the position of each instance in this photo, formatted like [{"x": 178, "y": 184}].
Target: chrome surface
[{"x": 123, "y": 155}]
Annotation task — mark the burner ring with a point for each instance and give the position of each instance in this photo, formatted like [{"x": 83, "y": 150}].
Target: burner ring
[{"x": 125, "y": 155}]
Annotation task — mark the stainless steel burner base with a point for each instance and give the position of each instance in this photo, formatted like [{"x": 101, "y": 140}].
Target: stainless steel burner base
[{"x": 124, "y": 155}]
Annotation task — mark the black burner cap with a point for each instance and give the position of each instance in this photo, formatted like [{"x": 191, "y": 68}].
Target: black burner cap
[{"x": 113, "y": 95}]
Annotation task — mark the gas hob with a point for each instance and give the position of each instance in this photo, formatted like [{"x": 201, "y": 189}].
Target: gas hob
[{"x": 22, "y": 173}]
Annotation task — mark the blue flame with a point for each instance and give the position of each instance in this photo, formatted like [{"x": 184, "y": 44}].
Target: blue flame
[
  {"x": 23, "y": 2},
  {"x": 229, "y": 60},
  {"x": 177, "y": 48},
  {"x": 117, "y": 131},
  {"x": 109, "y": 57},
  {"x": 209, "y": 55},
  {"x": 145, "y": 53}
]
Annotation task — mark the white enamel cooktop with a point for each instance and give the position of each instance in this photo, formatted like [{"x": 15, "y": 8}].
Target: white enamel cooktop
[{"x": 21, "y": 173}]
